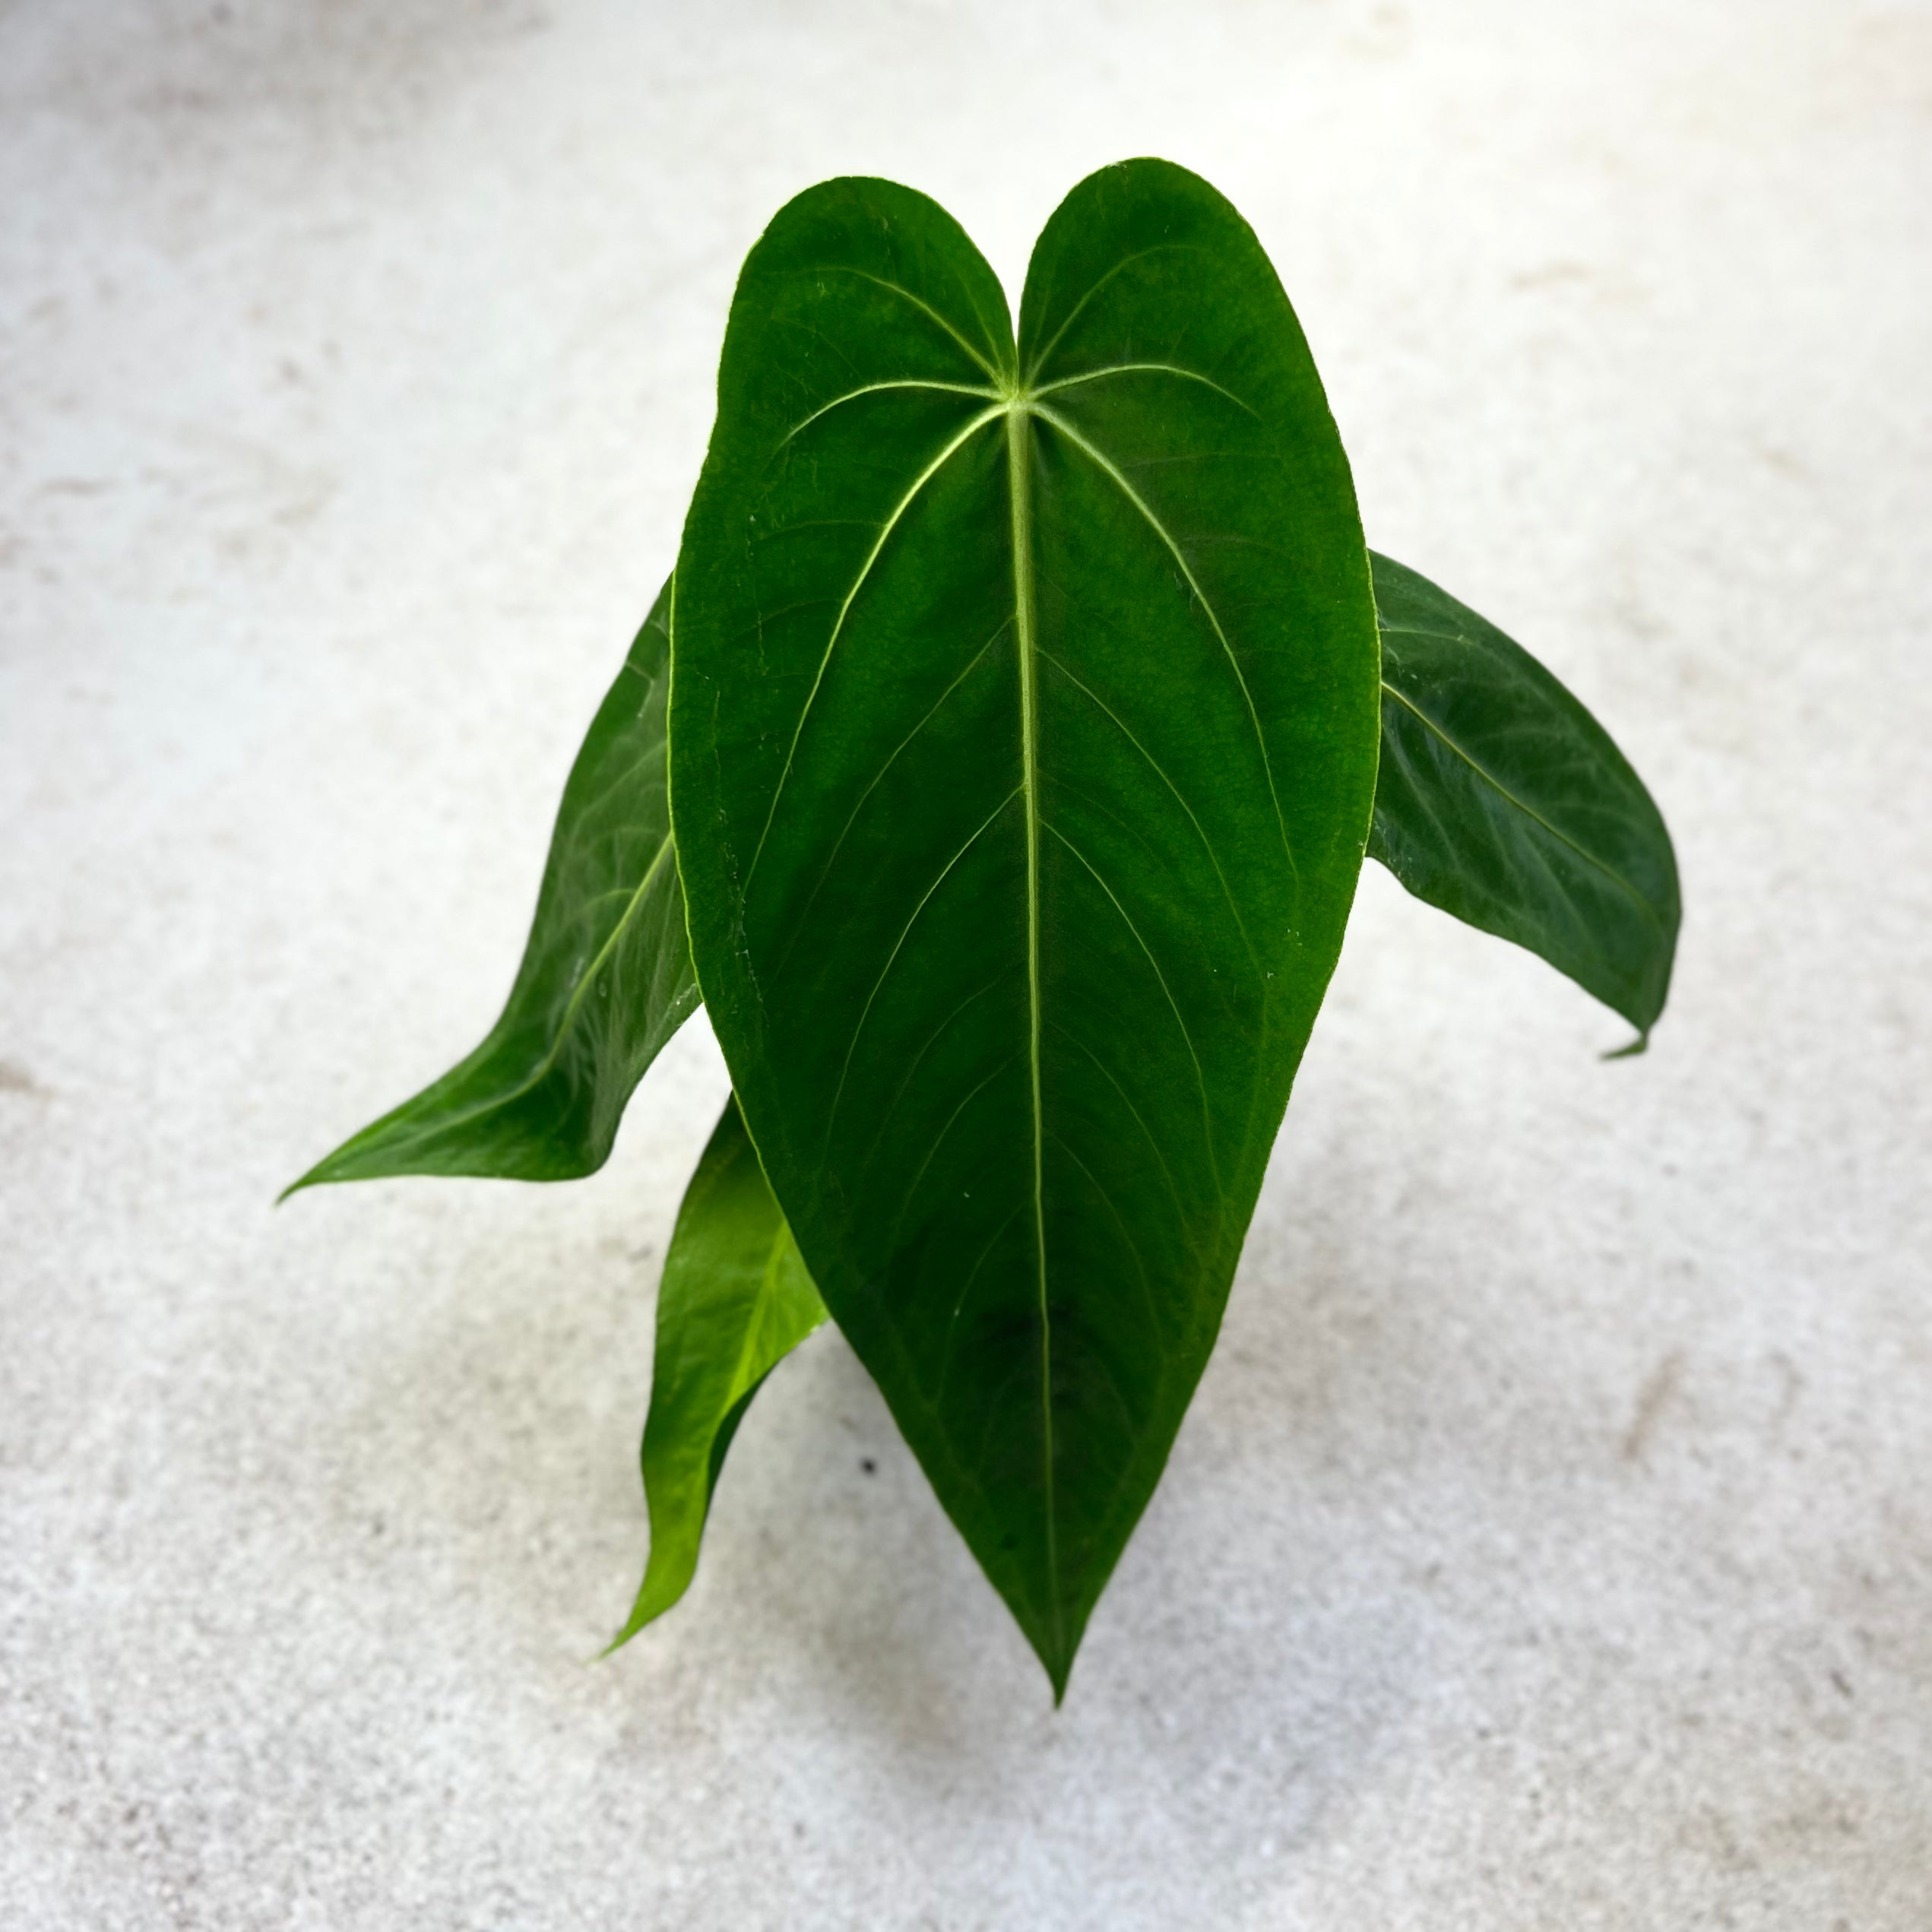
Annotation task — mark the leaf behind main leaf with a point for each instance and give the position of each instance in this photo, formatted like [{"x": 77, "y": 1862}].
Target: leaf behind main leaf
[
  {"x": 1502, "y": 800},
  {"x": 735, "y": 1301},
  {"x": 606, "y": 978},
  {"x": 1022, "y": 747}
]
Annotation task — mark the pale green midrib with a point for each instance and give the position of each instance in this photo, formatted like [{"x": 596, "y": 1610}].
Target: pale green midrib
[
  {"x": 1529, "y": 811},
  {"x": 1019, "y": 496},
  {"x": 430, "y": 1128},
  {"x": 1019, "y": 404}
]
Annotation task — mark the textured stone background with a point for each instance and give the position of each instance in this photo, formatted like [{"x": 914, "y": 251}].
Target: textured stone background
[{"x": 1551, "y": 1544}]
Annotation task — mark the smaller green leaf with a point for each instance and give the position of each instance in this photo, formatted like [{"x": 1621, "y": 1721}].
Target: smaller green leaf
[
  {"x": 1502, "y": 800},
  {"x": 606, "y": 978},
  {"x": 735, "y": 1301}
]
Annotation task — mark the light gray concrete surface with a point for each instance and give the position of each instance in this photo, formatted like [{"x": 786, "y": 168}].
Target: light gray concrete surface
[{"x": 1550, "y": 1543}]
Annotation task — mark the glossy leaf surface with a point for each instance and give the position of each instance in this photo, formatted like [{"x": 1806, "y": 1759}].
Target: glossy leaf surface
[
  {"x": 606, "y": 978},
  {"x": 1023, "y": 744},
  {"x": 1502, "y": 800},
  {"x": 735, "y": 1301}
]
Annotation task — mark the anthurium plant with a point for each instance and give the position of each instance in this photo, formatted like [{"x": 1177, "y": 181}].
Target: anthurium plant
[{"x": 996, "y": 766}]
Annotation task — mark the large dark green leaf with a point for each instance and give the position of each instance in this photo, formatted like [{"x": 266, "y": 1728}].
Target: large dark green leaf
[
  {"x": 606, "y": 978},
  {"x": 1022, "y": 750},
  {"x": 735, "y": 1301},
  {"x": 1502, "y": 800}
]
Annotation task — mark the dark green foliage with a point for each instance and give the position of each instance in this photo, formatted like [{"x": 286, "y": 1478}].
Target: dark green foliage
[
  {"x": 1028, "y": 700},
  {"x": 1020, "y": 847},
  {"x": 1503, "y": 800},
  {"x": 606, "y": 978}
]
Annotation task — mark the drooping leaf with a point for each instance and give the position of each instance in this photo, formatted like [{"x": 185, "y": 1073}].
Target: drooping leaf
[
  {"x": 1022, "y": 749},
  {"x": 735, "y": 1301},
  {"x": 1502, "y": 800},
  {"x": 606, "y": 978}
]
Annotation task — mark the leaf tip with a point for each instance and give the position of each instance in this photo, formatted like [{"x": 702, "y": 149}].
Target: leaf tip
[
  {"x": 320, "y": 1175},
  {"x": 1638, "y": 1046},
  {"x": 656, "y": 1595},
  {"x": 616, "y": 1644},
  {"x": 1057, "y": 1660}
]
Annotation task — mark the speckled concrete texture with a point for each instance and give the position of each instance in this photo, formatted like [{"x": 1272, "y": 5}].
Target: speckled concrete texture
[{"x": 1550, "y": 1543}]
